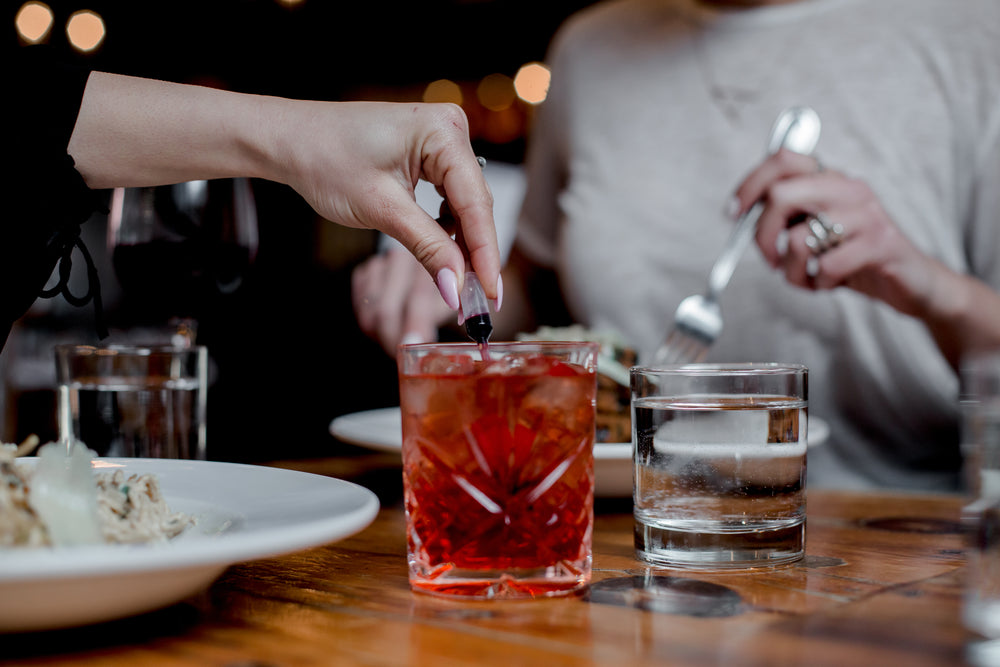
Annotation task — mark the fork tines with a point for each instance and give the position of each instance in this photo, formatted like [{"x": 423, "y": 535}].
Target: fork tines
[{"x": 681, "y": 347}]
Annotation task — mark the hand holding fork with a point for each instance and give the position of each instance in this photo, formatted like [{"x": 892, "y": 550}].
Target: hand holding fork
[{"x": 698, "y": 319}]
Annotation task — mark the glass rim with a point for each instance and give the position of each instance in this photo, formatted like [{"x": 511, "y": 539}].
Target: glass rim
[
  {"x": 137, "y": 349},
  {"x": 722, "y": 368},
  {"x": 517, "y": 344},
  {"x": 977, "y": 360}
]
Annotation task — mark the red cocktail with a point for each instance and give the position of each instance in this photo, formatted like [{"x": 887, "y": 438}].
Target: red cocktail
[{"x": 498, "y": 467}]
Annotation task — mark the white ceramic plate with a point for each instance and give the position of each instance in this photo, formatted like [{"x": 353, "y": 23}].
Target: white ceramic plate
[
  {"x": 244, "y": 512},
  {"x": 382, "y": 430}
]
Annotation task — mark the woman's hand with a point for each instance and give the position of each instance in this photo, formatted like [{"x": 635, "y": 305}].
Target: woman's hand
[
  {"x": 864, "y": 250},
  {"x": 356, "y": 163},
  {"x": 395, "y": 302}
]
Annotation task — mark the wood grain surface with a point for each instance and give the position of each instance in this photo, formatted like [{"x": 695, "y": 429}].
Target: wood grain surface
[{"x": 881, "y": 585}]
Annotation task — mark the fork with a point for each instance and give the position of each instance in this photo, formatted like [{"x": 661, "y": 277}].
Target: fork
[{"x": 698, "y": 319}]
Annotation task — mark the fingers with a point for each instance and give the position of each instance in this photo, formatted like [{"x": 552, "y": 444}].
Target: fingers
[
  {"x": 825, "y": 230},
  {"x": 432, "y": 247},
  {"x": 475, "y": 234},
  {"x": 788, "y": 203},
  {"x": 808, "y": 261},
  {"x": 429, "y": 141},
  {"x": 424, "y": 312},
  {"x": 395, "y": 301},
  {"x": 378, "y": 296},
  {"x": 775, "y": 168},
  {"x": 808, "y": 219},
  {"x": 366, "y": 286},
  {"x": 471, "y": 202},
  {"x": 449, "y": 163}
]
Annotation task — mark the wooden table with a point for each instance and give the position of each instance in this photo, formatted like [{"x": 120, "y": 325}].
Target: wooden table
[{"x": 881, "y": 585}]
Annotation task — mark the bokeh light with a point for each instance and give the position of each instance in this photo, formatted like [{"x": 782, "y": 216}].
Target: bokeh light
[
  {"x": 85, "y": 30},
  {"x": 532, "y": 82},
  {"x": 443, "y": 90},
  {"x": 496, "y": 92},
  {"x": 34, "y": 22}
]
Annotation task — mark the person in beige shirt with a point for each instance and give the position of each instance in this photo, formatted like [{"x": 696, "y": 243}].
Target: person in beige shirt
[{"x": 651, "y": 141}]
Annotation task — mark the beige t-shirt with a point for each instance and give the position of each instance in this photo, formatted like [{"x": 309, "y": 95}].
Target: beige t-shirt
[{"x": 659, "y": 108}]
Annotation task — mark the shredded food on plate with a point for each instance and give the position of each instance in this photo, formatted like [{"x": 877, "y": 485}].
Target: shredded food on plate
[{"x": 122, "y": 510}]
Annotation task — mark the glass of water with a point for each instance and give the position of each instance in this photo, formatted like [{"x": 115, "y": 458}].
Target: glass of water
[
  {"x": 719, "y": 452},
  {"x": 132, "y": 400},
  {"x": 981, "y": 448}
]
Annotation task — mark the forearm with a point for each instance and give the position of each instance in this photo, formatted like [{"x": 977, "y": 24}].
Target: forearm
[
  {"x": 134, "y": 132},
  {"x": 963, "y": 315},
  {"x": 355, "y": 163}
]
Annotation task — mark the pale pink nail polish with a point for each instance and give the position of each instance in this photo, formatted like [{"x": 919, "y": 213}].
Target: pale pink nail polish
[
  {"x": 732, "y": 209},
  {"x": 447, "y": 284},
  {"x": 781, "y": 243},
  {"x": 499, "y": 300}
]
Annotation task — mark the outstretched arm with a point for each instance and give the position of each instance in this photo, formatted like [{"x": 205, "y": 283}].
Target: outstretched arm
[{"x": 356, "y": 163}]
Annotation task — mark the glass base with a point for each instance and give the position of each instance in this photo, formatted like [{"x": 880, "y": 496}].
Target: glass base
[
  {"x": 558, "y": 580},
  {"x": 720, "y": 547}
]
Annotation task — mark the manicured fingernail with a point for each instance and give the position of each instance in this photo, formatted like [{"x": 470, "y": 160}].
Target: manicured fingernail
[
  {"x": 411, "y": 338},
  {"x": 447, "y": 284},
  {"x": 781, "y": 243},
  {"x": 732, "y": 209},
  {"x": 499, "y": 300},
  {"x": 812, "y": 267}
]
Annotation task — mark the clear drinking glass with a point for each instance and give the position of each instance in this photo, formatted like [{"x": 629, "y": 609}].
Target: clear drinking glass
[
  {"x": 498, "y": 467},
  {"x": 719, "y": 454},
  {"x": 981, "y": 445},
  {"x": 134, "y": 401}
]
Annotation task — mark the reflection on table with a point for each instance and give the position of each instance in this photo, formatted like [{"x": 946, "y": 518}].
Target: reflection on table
[{"x": 881, "y": 584}]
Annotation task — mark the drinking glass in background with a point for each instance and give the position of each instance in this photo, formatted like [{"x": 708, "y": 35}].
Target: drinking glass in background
[
  {"x": 981, "y": 448},
  {"x": 719, "y": 453},
  {"x": 178, "y": 248},
  {"x": 134, "y": 401},
  {"x": 498, "y": 467}
]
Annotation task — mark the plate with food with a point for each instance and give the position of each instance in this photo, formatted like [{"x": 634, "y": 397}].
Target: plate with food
[{"x": 85, "y": 540}]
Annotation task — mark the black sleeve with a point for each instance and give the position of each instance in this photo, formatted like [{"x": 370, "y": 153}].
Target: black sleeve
[{"x": 45, "y": 199}]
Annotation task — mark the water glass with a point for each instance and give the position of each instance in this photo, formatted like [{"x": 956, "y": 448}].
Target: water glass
[
  {"x": 719, "y": 456},
  {"x": 133, "y": 400},
  {"x": 498, "y": 467},
  {"x": 981, "y": 447}
]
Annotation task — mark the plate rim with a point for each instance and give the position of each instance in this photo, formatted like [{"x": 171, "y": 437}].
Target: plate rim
[
  {"x": 19, "y": 565},
  {"x": 605, "y": 451}
]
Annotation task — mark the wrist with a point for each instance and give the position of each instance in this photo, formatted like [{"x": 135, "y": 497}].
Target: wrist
[
  {"x": 963, "y": 314},
  {"x": 262, "y": 139}
]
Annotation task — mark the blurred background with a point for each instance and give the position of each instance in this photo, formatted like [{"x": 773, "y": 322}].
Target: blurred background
[{"x": 286, "y": 352}]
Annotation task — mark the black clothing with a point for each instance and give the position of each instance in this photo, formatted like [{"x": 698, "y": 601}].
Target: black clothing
[{"x": 47, "y": 198}]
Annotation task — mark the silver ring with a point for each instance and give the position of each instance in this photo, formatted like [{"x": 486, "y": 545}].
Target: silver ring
[{"x": 823, "y": 234}]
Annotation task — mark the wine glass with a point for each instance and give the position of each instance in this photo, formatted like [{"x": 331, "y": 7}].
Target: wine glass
[{"x": 177, "y": 248}]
